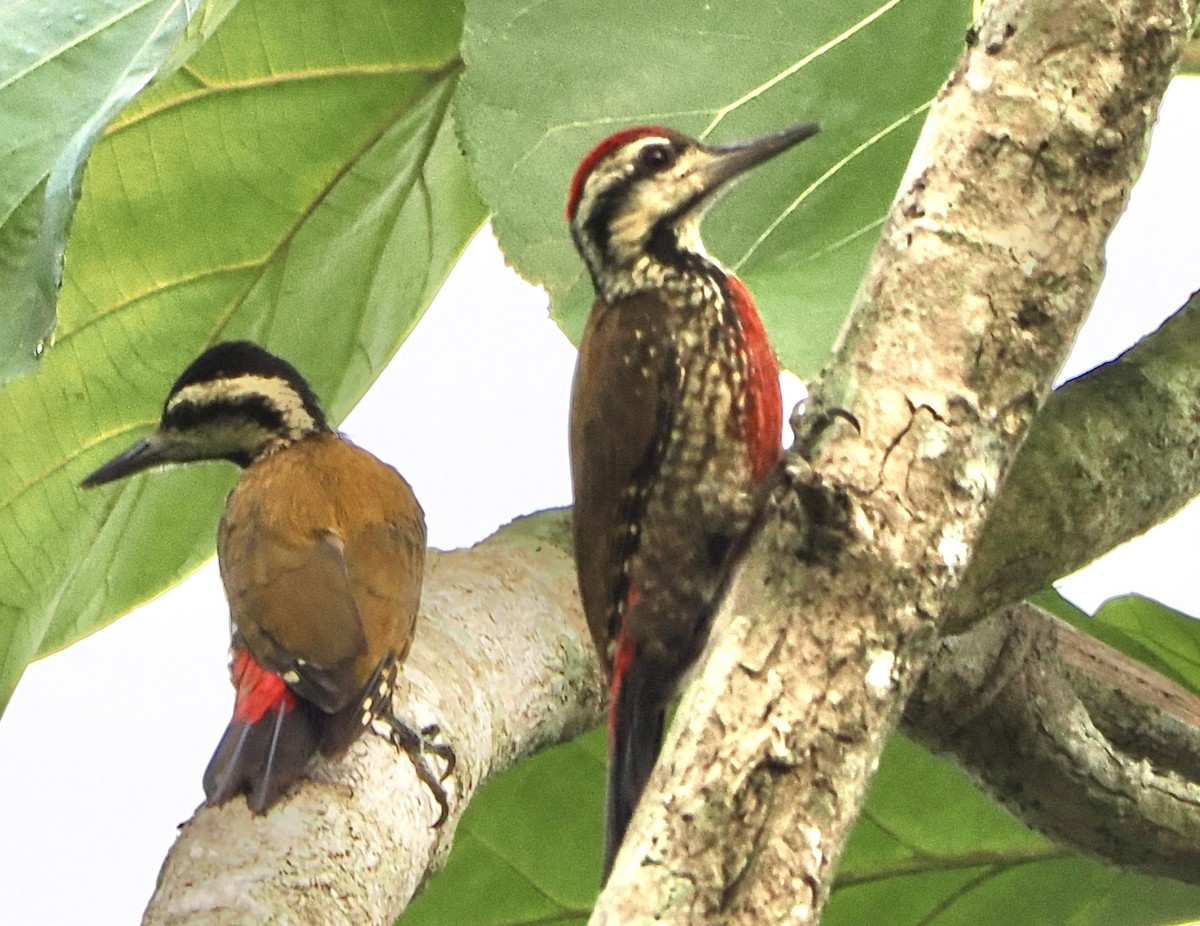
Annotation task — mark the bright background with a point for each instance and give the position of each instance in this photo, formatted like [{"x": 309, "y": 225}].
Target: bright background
[{"x": 103, "y": 745}]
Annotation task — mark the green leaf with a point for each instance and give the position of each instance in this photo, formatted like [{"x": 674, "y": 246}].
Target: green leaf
[
  {"x": 1163, "y": 638},
  {"x": 528, "y": 849},
  {"x": 297, "y": 182},
  {"x": 801, "y": 228},
  {"x": 66, "y": 69}
]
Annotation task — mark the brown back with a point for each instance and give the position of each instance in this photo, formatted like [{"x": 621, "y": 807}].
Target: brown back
[{"x": 322, "y": 552}]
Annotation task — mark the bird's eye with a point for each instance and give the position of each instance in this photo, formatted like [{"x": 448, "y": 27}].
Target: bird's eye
[{"x": 656, "y": 157}]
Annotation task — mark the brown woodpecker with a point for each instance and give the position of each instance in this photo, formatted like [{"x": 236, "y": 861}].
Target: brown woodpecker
[
  {"x": 321, "y": 549},
  {"x": 676, "y": 417}
]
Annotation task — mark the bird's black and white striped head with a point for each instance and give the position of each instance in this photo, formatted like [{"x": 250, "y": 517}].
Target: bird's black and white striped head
[
  {"x": 637, "y": 198},
  {"x": 235, "y": 402}
]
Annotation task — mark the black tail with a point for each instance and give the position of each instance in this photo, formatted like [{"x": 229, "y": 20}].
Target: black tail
[
  {"x": 263, "y": 759},
  {"x": 635, "y": 735}
]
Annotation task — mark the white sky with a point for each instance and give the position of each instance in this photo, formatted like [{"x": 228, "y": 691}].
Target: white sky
[{"x": 103, "y": 745}]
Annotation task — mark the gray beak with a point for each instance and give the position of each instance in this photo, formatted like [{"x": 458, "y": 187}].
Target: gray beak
[
  {"x": 729, "y": 161},
  {"x": 142, "y": 455}
]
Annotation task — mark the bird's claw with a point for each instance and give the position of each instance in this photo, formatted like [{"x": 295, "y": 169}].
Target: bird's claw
[
  {"x": 443, "y": 751},
  {"x": 417, "y": 744},
  {"x": 811, "y": 420}
]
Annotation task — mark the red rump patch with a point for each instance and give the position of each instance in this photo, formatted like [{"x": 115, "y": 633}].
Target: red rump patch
[
  {"x": 258, "y": 690},
  {"x": 622, "y": 659},
  {"x": 764, "y": 403},
  {"x": 606, "y": 147}
]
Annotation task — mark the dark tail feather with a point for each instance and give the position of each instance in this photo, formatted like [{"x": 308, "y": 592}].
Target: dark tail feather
[
  {"x": 635, "y": 735},
  {"x": 263, "y": 759}
]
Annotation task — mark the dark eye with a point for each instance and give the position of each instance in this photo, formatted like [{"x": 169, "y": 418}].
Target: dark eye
[{"x": 656, "y": 157}]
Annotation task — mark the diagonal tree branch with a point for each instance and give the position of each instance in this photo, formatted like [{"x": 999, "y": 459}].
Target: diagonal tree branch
[
  {"x": 988, "y": 262},
  {"x": 1111, "y": 454},
  {"x": 1080, "y": 741},
  {"x": 229, "y": 865}
]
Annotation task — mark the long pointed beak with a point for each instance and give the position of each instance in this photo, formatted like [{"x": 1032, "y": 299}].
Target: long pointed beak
[
  {"x": 142, "y": 455},
  {"x": 729, "y": 161}
]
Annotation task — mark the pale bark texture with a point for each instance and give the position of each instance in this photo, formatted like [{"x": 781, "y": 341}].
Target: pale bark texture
[
  {"x": 988, "y": 262},
  {"x": 352, "y": 845}
]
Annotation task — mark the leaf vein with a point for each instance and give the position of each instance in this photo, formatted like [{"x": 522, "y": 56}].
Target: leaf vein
[{"x": 787, "y": 72}]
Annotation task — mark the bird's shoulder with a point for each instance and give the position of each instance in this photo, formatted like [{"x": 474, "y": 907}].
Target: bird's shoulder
[{"x": 325, "y": 484}]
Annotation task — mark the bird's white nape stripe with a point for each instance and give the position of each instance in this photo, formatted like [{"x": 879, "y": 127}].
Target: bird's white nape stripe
[{"x": 279, "y": 392}]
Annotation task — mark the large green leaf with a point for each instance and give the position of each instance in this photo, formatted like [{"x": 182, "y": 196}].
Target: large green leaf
[
  {"x": 66, "y": 69},
  {"x": 929, "y": 850},
  {"x": 298, "y": 182},
  {"x": 546, "y": 81},
  {"x": 528, "y": 849}
]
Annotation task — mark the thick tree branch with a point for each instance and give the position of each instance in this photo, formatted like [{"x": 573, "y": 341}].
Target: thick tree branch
[
  {"x": 988, "y": 262},
  {"x": 502, "y": 662},
  {"x": 1081, "y": 742},
  {"x": 1111, "y": 454}
]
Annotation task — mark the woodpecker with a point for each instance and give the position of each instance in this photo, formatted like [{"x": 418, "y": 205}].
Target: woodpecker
[
  {"x": 321, "y": 550},
  {"x": 676, "y": 417}
]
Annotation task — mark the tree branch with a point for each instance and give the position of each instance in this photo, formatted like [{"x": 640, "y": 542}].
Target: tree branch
[
  {"x": 989, "y": 260},
  {"x": 1111, "y": 454},
  {"x": 229, "y": 864},
  {"x": 502, "y": 662},
  {"x": 1078, "y": 740}
]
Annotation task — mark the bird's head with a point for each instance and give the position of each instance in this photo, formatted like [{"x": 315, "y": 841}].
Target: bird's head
[
  {"x": 640, "y": 194},
  {"x": 235, "y": 402}
]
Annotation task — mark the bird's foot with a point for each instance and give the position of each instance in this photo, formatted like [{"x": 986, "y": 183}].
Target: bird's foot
[
  {"x": 419, "y": 744},
  {"x": 821, "y": 513},
  {"x": 811, "y": 420}
]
